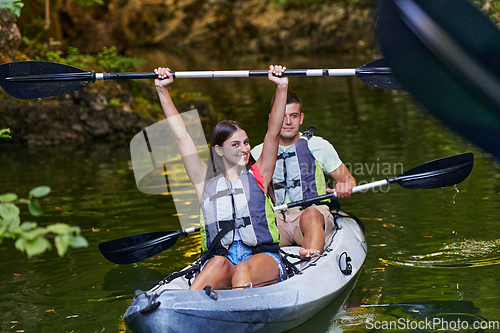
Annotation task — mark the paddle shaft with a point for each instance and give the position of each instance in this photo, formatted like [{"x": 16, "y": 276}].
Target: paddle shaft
[
  {"x": 40, "y": 79},
  {"x": 91, "y": 76},
  {"x": 355, "y": 189}
]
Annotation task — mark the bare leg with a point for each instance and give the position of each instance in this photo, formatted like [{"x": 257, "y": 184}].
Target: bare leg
[
  {"x": 257, "y": 269},
  {"x": 217, "y": 274},
  {"x": 312, "y": 225}
]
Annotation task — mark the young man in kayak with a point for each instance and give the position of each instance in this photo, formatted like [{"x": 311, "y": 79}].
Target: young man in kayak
[
  {"x": 299, "y": 175},
  {"x": 239, "y": 236}
]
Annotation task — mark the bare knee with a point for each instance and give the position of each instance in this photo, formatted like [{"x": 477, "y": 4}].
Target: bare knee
[
  {"x": 242, "y": 274},
  {"x": 216, "y": 273},
  {"x": 218, "y": 263},
  {"x": 311, "y": 217},
  {"x": 242, "y": 268},
  {"x": 312, "y": 212}
]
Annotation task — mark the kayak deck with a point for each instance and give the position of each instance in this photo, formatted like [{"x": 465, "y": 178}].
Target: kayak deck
[{"x": 274, "y": 308}]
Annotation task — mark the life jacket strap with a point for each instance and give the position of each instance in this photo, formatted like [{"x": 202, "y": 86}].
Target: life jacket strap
[
  {"x": 287, "y": 184},
  {"x": 241, "y": 222},
  {"x": 225, "y": 193},
  {"x": 285, "y": 155},
  {"x": 225, "y": 226},
  {"x": 308, "y": 133}
]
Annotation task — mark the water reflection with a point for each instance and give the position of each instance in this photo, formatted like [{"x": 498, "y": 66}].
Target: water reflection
[
  {"x": 126, "y": 279},
  {"x": 322, "y": 321}
]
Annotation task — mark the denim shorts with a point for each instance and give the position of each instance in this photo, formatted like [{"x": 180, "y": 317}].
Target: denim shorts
[{"x": 239, "y": 252}]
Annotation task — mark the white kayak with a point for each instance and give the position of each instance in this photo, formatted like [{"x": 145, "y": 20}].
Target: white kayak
[{"x": 324, "y": 279}]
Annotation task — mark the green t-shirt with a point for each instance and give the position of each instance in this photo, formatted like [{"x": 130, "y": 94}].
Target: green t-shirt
[{"x": 321, "y": 149}]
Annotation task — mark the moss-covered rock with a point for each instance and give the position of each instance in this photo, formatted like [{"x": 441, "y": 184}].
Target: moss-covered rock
[{"x": 10, "y": 36}]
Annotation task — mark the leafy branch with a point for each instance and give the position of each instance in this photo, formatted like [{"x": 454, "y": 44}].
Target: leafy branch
[
  {"x": 14, "y": 6},
  {"x": 5, "y": 133},
  {"x": 31, "y": 238}
]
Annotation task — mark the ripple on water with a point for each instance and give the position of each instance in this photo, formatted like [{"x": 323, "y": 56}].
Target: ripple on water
[{"x": 468, "y": 253}]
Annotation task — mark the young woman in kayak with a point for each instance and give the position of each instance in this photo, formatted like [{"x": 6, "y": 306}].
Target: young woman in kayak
[{"x": 240, "y": 240}]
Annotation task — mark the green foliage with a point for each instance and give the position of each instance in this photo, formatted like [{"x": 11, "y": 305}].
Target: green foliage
[
  {"x": 490, "y": 7},
  {"x": 90, "y": 2},
  {"x": 31, "y": 238},
  {"x": 4, "y": 133},
  {"x": 144, "y": 108},
  {"x": 191, "y": 96},
  {"x": 115, "y": 102},
  {"x": 108, "y": 59},
  {"x": 112, "y": 61},
  {"x": 14, "y": 6}
]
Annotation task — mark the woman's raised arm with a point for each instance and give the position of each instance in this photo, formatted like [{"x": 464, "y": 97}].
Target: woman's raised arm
[
  {"x": 195, "y": 167},
  {"x": 267, "y": 159}
]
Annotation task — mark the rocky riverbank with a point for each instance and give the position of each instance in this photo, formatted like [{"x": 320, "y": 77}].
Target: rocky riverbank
[
  {"x": 10, "y": 36},
  {"x": 88, "y": 115},
  {"x": 75, "y": 118}
]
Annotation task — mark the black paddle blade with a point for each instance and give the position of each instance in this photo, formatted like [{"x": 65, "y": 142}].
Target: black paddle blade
[
  {"x": 442, "y": 172},
  {"x": 132, "y": 249},
  {"x": 38, "y": 79},
  {"x": 378, "y": 74},
  {"x": 446, "y": 55}
]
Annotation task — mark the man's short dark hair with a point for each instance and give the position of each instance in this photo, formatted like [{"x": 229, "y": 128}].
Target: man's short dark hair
[{"x": 291, "y": 98}]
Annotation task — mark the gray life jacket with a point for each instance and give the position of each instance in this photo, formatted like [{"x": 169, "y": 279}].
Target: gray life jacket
[
  {"x": 298, "y": 173},
  {"x": 241, "y": 205}
]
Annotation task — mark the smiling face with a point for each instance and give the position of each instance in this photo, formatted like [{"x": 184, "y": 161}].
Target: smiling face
[
  {"x": 235, "y": 150},
  {"x": 291, "y": 123}
]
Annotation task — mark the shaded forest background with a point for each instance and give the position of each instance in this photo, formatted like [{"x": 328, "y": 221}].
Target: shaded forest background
[
  {"x": 241, "y": 27},
  {"x": 234, "y": 26}
]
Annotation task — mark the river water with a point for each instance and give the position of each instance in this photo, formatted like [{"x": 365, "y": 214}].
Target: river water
[{"x": 431, "y": 253}]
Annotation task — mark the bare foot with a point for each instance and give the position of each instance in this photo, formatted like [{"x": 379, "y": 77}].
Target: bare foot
[{"x": 308, "y": 252}]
